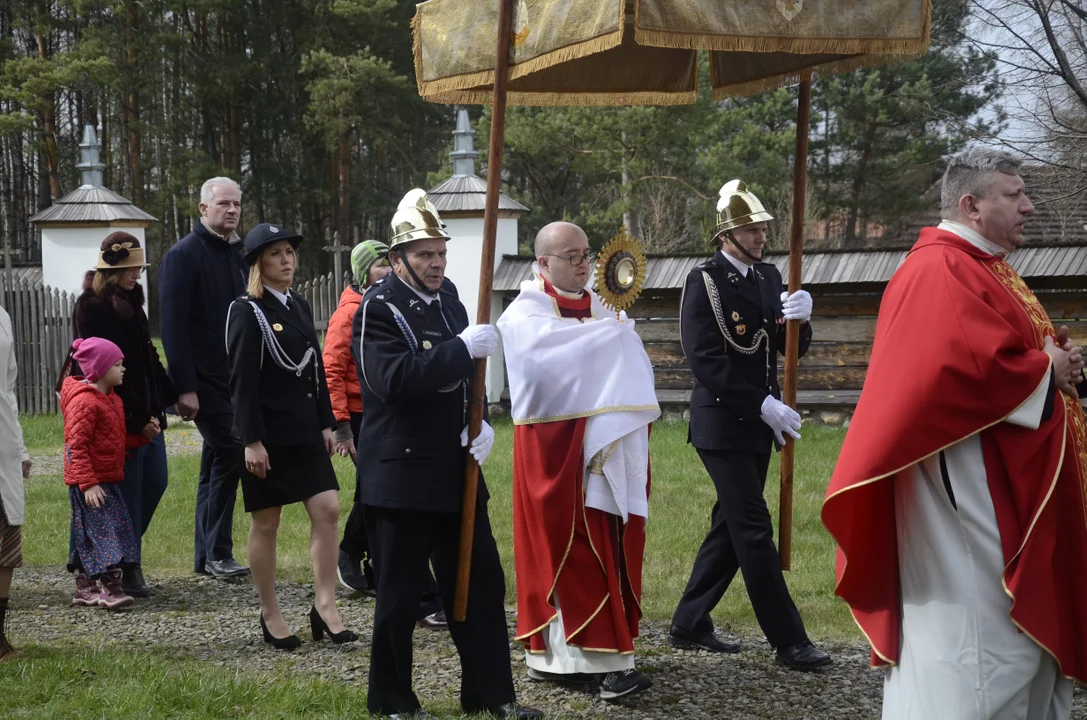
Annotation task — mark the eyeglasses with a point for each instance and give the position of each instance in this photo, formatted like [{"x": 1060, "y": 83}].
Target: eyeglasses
[{"x": 576, "y": 260}]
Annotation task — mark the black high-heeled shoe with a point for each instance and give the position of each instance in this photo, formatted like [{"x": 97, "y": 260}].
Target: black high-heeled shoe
[
  {"x": 291, "y": 642},
  {"x": 320, "y": 628}
]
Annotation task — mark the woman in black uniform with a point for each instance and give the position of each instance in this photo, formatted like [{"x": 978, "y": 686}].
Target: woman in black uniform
[{"x": 283, "y": 422}]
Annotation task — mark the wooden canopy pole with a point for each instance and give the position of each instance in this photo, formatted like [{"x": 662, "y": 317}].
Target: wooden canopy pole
[
  {"x": 792, "y": 327},
  {"x": 483, "y": 309}
]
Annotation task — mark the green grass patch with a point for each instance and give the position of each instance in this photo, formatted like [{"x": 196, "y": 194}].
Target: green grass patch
[
  {"x": 43, "y": 434},
  {"x": 115, "y": 683},
  {"x": 679, "y": 516}
]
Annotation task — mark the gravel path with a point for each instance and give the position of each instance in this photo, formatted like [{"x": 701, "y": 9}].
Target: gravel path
[{"x": 214, "y": 621}]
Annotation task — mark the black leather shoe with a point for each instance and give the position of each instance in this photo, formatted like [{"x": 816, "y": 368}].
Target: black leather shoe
[
  {"x": 710, "y": 641},
  {"x": 291, "y": 642},
  {"x": 319, "y": 628},
  {"x": 133, "y": 583},
  {"x": 803, "y": 656},
  {"x": 514, "y": 710},
  {"x": 225, "y": 569},
  {"x": 434, "y": 621}
]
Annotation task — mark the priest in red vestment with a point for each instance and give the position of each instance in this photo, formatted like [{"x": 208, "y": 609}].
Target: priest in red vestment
[
  {"x": 958, "y": 499},
  {"x": 582, "y": 399}
]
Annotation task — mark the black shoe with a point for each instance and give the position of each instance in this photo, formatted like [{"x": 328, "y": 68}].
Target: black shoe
[
  {"x": 133, "y": 583},
  {"x": 225, "y": 569},
  {"x": 434, "y": 621},
  {"x": 514, "y": 710},
  {"x": 615, "y": 685},
  {"x": 803, "y": 656},
  {"x": 291, "y": 642},
  {"x": 319, "y": 628},
  {"x": 710, "y": 641},
  {"x": 349, "y": 572},
  {"x": 561, "y": 678}
]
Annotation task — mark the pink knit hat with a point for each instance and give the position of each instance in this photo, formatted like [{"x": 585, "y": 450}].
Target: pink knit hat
[{"x": 95, "y": 356}]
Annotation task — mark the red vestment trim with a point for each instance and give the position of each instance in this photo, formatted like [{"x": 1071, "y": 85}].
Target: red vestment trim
[{"x": 957, "y": 350}]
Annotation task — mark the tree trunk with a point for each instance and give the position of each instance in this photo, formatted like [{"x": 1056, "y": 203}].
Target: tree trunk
[
  {"x": 630, "y": 216},
  {"x": 50, "y": 155},
  {"x": 858, "y": 186},
  {"x": 132, "y": 105}
]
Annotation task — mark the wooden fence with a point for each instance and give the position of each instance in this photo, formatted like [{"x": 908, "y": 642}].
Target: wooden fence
[
  {"x": 41, "y": 322},
  {"x": 323, "y": 295}
]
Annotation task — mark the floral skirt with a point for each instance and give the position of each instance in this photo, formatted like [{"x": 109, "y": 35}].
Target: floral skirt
[{"x": 102, "y": 537}]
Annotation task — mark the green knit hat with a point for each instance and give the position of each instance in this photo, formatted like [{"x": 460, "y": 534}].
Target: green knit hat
[{"x": 363, "y": 256}]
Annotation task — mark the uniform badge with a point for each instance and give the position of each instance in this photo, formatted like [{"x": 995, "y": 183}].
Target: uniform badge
[
  {"x": 741, "y": 329},
  {"x": 735, "y": 316},
  {"x": 277, "y": 327},
  {"x": 427, "y": 345},
  {"x": 734, "y": 279}
]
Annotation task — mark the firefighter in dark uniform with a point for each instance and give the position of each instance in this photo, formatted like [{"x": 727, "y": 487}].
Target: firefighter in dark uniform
[
  {"x": 732, "y": 326},
  {"x": 414, "y": 350}
]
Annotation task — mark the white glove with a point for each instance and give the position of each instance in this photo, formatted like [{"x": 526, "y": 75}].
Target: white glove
[
  {"x": 481, "y": 446},
  {"x": 781, "y": 418},
  {"x": 796, "y": 306},
  {"x": 481, "y": 340}
]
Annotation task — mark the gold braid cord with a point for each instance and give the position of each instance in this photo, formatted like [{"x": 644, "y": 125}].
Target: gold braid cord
[
  {"x": 620, "y": 271},
  {"x": 757, "y": 340}
]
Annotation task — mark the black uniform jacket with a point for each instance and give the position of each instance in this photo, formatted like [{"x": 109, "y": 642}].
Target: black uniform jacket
[
  {"x": 273, "y": 405},
  {"x": 198, "y": 279},
  {"x": 730, "y": 385},
  {"x": 415, "y": 375}
]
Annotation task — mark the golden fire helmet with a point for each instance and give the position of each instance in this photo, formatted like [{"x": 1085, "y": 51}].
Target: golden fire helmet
[
  {"x": 416, "y": 218},
  {"x": 738, "y": 206}
]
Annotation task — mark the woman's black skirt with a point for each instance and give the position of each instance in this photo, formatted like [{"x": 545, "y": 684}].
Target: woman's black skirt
[{"x": 298, "y": 472}]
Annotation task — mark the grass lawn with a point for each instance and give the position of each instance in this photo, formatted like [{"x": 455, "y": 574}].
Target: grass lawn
[{"x": 682, "y": 496}]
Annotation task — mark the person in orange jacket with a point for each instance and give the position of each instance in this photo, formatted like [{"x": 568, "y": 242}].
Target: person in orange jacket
[{"x": 368, "y": 265}]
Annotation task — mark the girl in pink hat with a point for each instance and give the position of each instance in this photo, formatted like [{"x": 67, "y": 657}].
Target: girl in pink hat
[{"x": 94, "y": 464}]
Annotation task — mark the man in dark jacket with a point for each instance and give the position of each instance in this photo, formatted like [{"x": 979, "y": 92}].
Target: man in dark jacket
[
  {"x": 199, "y": 278},
  {"x": 414, "y": 351},
  {"x": 732, "y": 327}
]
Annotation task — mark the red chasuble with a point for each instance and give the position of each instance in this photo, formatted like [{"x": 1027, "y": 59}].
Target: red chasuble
[
  {"x": 588, "y": 557},
  {"x": 957, "y": 350}
]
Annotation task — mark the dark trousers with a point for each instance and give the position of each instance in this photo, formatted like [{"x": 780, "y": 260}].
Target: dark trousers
[
  {"x": 218, "y": 488},
  {"x": 741, "y": 537},
  {"x": 404, "y": 542},
  {"x": 356, "y": 543},
  {"x": 144, "y": 484}
]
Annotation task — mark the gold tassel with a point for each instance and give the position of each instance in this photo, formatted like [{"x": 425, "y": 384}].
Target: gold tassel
[
  {"x": 796, "y": 46},
  {"x": 483, "y": 96}
]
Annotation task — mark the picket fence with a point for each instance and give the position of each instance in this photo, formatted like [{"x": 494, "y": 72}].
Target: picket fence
[{"x": 41, "y": 321}]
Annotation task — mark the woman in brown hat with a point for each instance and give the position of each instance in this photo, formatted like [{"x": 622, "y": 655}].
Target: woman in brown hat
[{"x": 112, "y": 307}]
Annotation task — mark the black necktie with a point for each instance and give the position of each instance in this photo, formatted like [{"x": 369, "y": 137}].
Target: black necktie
[{"x": 289, "y": 304}]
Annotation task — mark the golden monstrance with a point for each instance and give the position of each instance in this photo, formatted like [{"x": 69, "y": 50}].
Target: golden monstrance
[{"x": 620, "y": 272}]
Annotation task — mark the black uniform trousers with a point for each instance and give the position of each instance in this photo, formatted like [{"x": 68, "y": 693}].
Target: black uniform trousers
[
  {"x": 216, "y": 491},
  {"x": 404, "y": 541},
  {"x": 741, "y": 537},
  {"x": 356, "y": 543}
]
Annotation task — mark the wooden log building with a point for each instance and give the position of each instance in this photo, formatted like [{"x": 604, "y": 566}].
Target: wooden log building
[{"x": 846, "y": 288}]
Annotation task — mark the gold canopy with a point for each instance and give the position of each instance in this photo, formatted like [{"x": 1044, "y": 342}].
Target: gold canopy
[{"x": 644, "y": 52}]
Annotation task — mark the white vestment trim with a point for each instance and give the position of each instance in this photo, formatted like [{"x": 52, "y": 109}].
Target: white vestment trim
[{"x": 563, "y": 659}]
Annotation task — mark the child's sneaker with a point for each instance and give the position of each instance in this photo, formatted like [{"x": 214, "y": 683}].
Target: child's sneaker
[
  {"x": 86, "y": 592},
  {"x": 113, "y": 595}
]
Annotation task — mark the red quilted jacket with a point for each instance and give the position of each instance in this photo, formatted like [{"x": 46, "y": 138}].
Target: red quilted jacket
[{"x": 94, "y": 435}]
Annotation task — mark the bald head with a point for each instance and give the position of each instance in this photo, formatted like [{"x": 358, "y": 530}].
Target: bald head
[
  {"x": 556, "y": 245},
  {"x": 555, "y": 235}
]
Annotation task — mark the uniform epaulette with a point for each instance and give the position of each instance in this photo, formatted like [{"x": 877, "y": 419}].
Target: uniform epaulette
[{"x": 704, "y": 265}]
